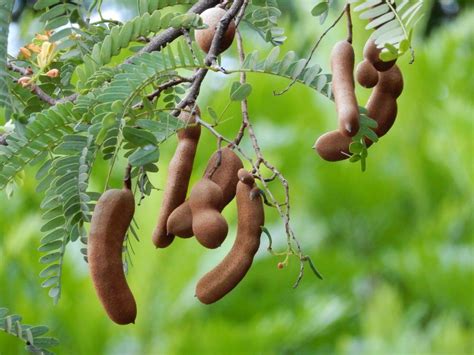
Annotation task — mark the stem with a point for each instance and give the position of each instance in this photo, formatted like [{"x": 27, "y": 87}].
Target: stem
[
  {"x": 313, "y": 50},
  {"x": 127, "y": 179},
  {"x": 347, "y": 10}
]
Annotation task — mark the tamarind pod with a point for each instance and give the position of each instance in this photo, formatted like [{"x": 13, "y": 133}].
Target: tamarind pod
[
  {"x": 209, "y": 226},
  {"x": 224, "y": 175},
  {"x": 343, "y": 88},
  {"x": 226, "y": 276},
  {"x": 366, "y": 74},
  {"x": 180, "y": 169},
  {"x": 212, "y": 17},
  {"x": 110, "y": 222},
  {"x": 382, "y": 104},
  {"x": 333, "y": 146},
  {"x": 180, "y": 221},
  {"x": 372, "y": 54}
]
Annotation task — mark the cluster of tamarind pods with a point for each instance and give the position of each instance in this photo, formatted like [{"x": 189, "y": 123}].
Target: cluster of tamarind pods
[
  {"x": 199, "y": 215},
  {"x": 387, "y": 82}
]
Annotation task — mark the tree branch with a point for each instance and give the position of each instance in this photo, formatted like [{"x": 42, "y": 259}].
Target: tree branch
[
  {"x": 161, "y": 40},
  {"x": 211, "y": 57}
]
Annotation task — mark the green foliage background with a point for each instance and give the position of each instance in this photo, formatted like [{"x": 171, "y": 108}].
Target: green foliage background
[{"x": 395, "y": 244}]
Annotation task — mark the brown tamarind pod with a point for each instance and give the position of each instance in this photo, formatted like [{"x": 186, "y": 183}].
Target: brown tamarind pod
[
  {"x": 222, "y": 168},
  {"x": 343, "y": 88},
  {"x": 180, "y": 169},
  {"x": 110, "y": 222},
  {"x": 180, "y": 222},
  {"x": 372, "y": 54},
  {"x": 333, "y": 146},
  {"x": 382, "y": 104},
  {"x": 205, "y": 201},
  {"x": 211, "y": 18},
  {"x": 366, "y": 74},
  {"x": 226, "y": 276}
]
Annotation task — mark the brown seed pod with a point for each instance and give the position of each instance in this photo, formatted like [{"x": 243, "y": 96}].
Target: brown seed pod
[
  {"x": 342, "y": 66},
  {"x": 180, "y": 222},
  {"x": 224, "y": 277},
  {"x": 372, "y": 54},
  {"x": 222, "y": 168},
  {"x": 366, "y": 74},
  {"x": 212, "y": 17},
  {"x": 382, "y": 104},
  {"x": 333, "y": 146},
  {"x": 205, "y": 201},
  {"x": 180, "y": 169},
  {"x": 110, "y": 221}
]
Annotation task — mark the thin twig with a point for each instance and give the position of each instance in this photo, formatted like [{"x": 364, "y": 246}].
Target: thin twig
[
  {"x": 284, "y": 213},
  {"x": 244, "y": 103},
  {"x": 173, "y": 82},
  {"x": 35, "y": 89},
  {"x": 313, "y": 50}
]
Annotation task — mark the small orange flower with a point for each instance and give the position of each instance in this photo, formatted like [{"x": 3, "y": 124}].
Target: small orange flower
[
  {"x": 41, "y": 37},
  {"x": 25, "y": 52},
  {"x": 53, "y": 73},
  {"x": 34, "y": 47},
  {"x": 24, "y": 81}
]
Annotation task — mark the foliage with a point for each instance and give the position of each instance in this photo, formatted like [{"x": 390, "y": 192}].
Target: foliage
[
  {"x": 32, "y": 336},
  {"x": 263, "y": 16},
  {"x": 393, "y": 22},
  {"x": 113, "y": 120},
  {"x": 6, "y": 8}
]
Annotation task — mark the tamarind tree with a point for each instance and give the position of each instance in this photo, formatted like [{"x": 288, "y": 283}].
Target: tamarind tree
[{"x": 68, "y": 104}]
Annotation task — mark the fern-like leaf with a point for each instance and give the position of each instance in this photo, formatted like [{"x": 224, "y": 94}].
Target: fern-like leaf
[
  {"x": 393, "y": 21},
  {"x": 263, "y": 17},
  {"x": 6, "y": 8},
  {"x": 66, "y": 204},
  {"x": 32, "y": 336},
  {"x": 40, "y": 136},
  {"x": 58, "y": 13},
  {"x": 149, "y": 6},
  {"x": 289, "y": 67},
  {"x": 121, "y": 36}
]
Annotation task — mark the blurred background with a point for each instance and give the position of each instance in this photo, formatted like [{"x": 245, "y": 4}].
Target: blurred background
[{"x": 395, "y": 244}]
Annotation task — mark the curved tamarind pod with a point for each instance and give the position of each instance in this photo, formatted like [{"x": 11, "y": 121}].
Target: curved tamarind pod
[
  {"x": 342, "y": 66},
  {"x": 382, "y": 104},
  {"x": 372, "y": 54},
  {"x": 110, "y": 222},
  {"x": 205, "y": 201},
  {"x": 225, "y": 276},
  {"x": 180, "y": 169},
  {"x": 212, "y": 17},
  {"x": 366, "y": 74},
  {"x": 222, "y": 168}
]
